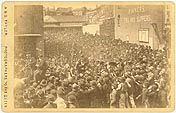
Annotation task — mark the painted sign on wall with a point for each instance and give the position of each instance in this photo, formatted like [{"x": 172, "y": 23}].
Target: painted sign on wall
[
  {"x": 137, "y": 14},
  {"x": 143, "y": 18}
]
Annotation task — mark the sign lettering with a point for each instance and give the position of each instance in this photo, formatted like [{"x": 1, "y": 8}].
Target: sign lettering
[{"x": 142, "y": 18}]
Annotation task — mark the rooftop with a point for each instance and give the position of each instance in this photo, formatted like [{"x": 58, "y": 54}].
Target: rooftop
[{"x": 61, "y": 18}]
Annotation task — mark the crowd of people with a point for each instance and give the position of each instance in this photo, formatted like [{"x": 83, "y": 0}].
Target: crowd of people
[{"x": 92, "y": 71}]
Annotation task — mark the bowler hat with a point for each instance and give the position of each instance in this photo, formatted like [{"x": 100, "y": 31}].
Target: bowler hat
[
  {"x": 93, "y": 83},
  {"x": 40, "y": 93},
  {"x": 43, "y": 83}
]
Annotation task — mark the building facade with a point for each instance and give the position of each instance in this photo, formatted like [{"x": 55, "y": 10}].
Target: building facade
[
  {"x": 140, "y": 24},
  {"x": 28, "y": 30},
  {"x": 103, "y": 18}
]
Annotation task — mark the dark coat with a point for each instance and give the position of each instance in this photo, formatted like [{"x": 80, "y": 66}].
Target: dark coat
[
  {"x": 95, "y": 97},
  {"x": 39, "y": 102},
  {"x": 162, "y": 98},
  {"x": 74, "y": 94},
  {"x": 84, "y": 99}
]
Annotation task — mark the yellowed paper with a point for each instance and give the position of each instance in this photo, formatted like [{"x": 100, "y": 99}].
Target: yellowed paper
[{"x": 88, "y": 56}]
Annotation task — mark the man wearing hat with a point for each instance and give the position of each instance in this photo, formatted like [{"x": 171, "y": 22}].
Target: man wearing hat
[
  {"x": 43, "y": 85},
  {"x": 72, "y": 102},
  {"x": 153, "y": 95},
  {"x": 40, "y": 101},
  {"x": 42, "y": 64},
  {"x": 84, "y": 98},
  {"x": 51, "y": 104},
  {"x": 66, "y": 86},
  {"x": 123, "y": 88},
  {"x": 106, "y": 90},
  {"x": 51, "y": 80},
  {"x": 144, "y": 95},
  {"x": 57, "y": 82},
  {"x": 114, "y": 96},
  {"x": 95, "y": 95},
  {"x": 131, "y": 89},
  {"x": 74, "y": 94},
  {"x": 60, "y": 98},
  {"x": 150, "y": 74},
  {"x": 53, "y": 92},
  {"x": 162, "y": 97},
  {"x": 34, "y": 84},
  {"x": 37, "y": 74}
]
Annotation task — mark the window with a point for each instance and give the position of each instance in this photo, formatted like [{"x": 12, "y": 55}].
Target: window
[{"x": 144, "y": 35}]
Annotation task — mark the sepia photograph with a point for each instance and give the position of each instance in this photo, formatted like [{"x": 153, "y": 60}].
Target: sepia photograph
[{"x": 91, "y": 55}]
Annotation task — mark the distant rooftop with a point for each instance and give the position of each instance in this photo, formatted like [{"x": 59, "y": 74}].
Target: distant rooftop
[{"x": 62, "y": 19}]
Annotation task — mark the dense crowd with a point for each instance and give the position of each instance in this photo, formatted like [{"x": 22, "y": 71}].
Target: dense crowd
[{"x": 87, "y": 71}]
